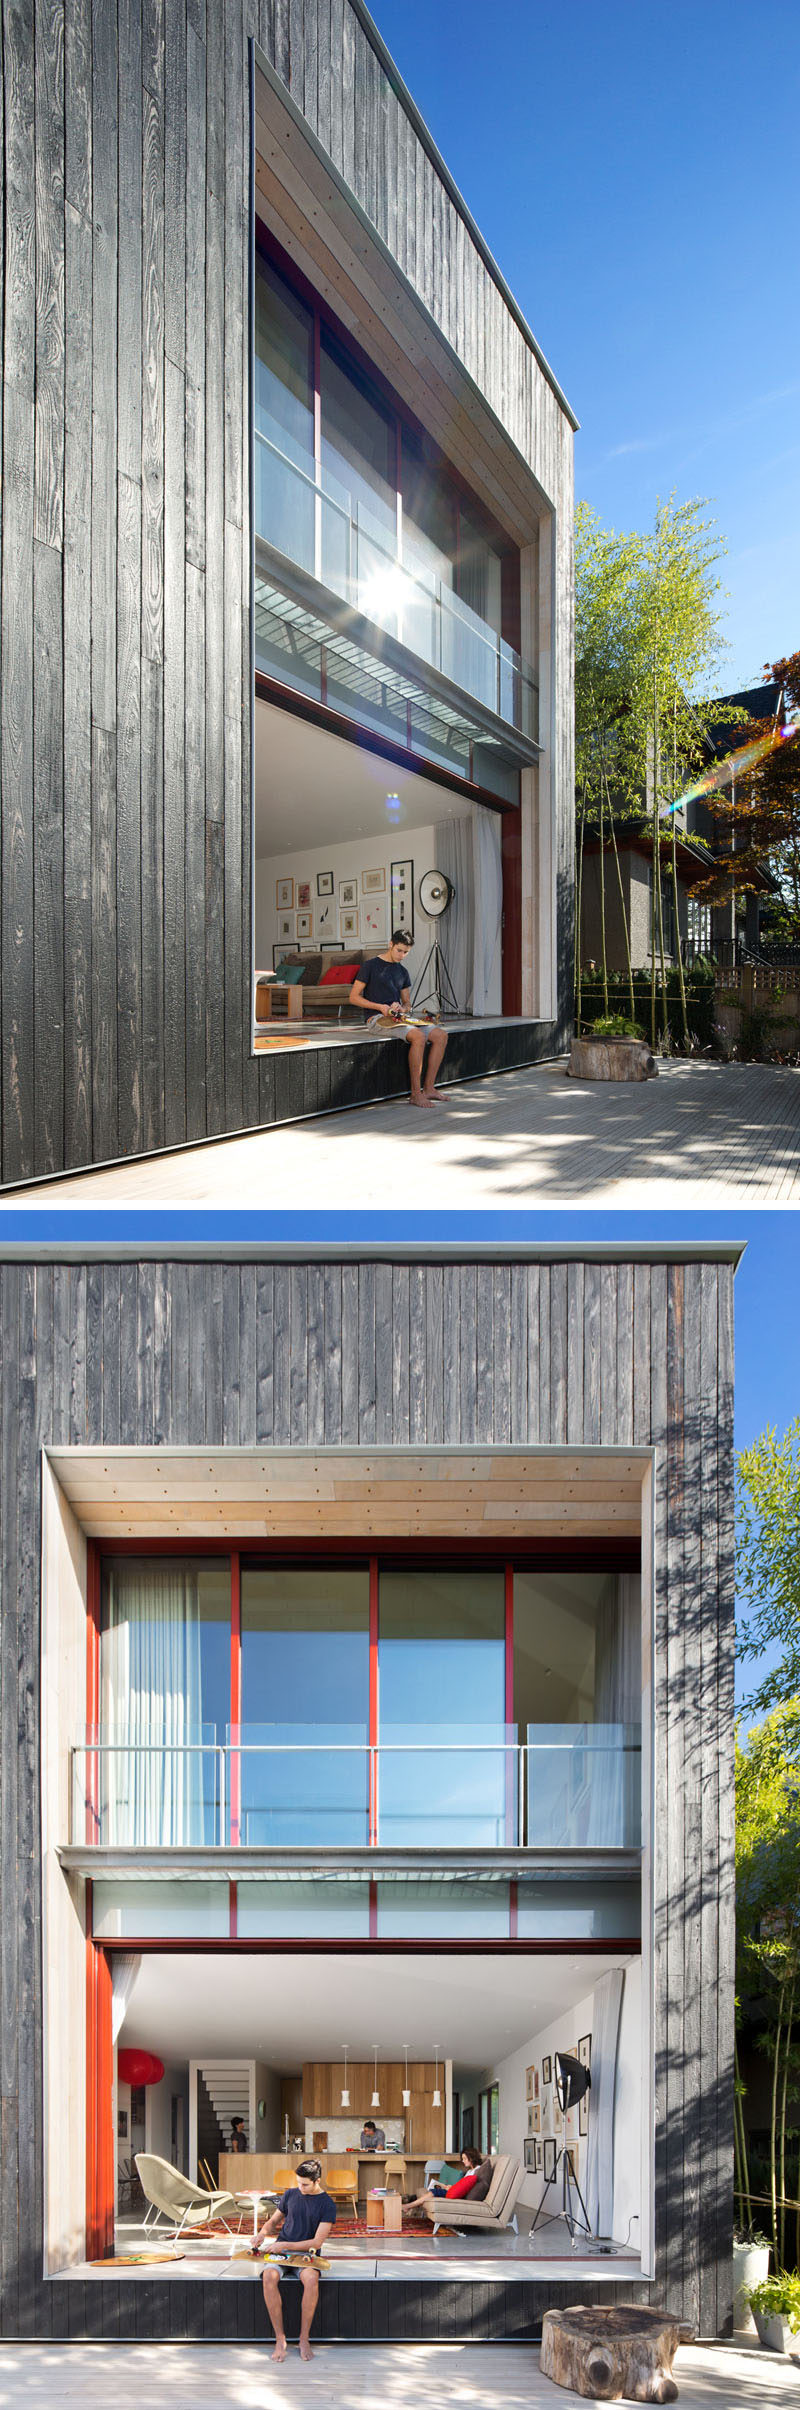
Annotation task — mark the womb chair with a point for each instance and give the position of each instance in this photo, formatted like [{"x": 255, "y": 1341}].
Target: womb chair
[
  {"x": 173, "y": 2196},
  {"x": 491, "y": 2215}
]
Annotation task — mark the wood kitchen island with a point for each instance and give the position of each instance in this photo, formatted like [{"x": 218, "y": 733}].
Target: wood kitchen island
[{"x": 245, "y": 2171}]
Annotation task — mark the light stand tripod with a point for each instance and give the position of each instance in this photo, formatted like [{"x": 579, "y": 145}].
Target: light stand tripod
[
  {"x": 440, "y": 992},
  {"x": 567, "y": 2210}
]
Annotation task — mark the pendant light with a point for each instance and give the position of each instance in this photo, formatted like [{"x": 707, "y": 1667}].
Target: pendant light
[
  {"x": 376, "y": 2098},
  {"x": 406, "y": 2093},
  {"x": 437, "y": 2097},
  {"x": 344, "y": 2097}
]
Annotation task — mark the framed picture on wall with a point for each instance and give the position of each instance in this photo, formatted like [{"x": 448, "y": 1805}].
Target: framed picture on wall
[
  {"x": 304, "y": 924},
  {"x": 304, "y": 895},
  {"x": 373, "y": 882},
  {"x": 284, "y": 894},
  {"x": 348, "y": 923},
  {"x": 539, "y": 2154},
  {"x": 558, "y": 2118},
  {"x": 530, "y": 2089},
  {"x": 348, "y": 893},
  {"x": 529, "y": 2154},
  {"x": 547, "y": 2071},
  {"x": 585, "y": 2051},
  {"x": 534, "y": 2117},
  {"x": 286, "y": 928},
  {"x": 548, "y": 2158},
  {"x": 401, "y": 888},
  {"x": 583, "y": 2114},
  {"x": 324, "y": 882},
  {"x": 325, "y": 920},
  {"x": 373, "y": 921}
]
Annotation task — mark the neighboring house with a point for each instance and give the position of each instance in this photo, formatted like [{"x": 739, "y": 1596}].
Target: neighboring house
[
  {"x": 368, "y": 1687},
  {"x": 287, "y": 576},
  {"x": 736, "y": 919},
  {"x": 705, "y": 923},
  {"x": 635, "y": 854}
]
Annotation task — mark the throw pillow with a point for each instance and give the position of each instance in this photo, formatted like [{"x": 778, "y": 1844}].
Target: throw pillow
[
  {"x": 289, "y": 973},
  {"x": 484, "y": 2179},
  {"x": 341, "y": 974}
]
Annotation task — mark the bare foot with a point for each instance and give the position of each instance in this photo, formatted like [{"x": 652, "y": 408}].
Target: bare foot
[
  {"x": 306, "y": 2352},
  {"x": 279, "y": 2352},
  {"x": 422, "y": 1099}
]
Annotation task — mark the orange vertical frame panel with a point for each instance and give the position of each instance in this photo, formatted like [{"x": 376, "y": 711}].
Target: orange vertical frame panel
[{"x": 99, "y": 2098}]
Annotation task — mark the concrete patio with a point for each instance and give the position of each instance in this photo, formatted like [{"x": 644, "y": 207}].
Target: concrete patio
[
  {"x": 701, "y": 1136},
  {"x": 445, "y": 2376}
]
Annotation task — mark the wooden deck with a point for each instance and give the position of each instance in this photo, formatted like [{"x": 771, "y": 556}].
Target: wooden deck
[{"x": 701, "y": 1136}]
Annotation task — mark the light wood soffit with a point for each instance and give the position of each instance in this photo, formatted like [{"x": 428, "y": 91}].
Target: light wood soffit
[
  {"x": 347, "y": 264},
  {"x": 255, "y": 1495}
]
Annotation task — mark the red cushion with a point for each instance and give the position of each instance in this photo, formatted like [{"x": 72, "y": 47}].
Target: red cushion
[{"x": 341, "y": 974}]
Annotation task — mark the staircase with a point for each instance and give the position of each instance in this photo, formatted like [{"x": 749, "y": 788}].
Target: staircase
[{"x": 223, "y": 2092}]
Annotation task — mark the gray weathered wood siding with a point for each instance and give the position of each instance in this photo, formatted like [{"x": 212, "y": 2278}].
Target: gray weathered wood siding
[
  {"x": 357, "y": 1351},
  {"x": 125, "y": 940}
]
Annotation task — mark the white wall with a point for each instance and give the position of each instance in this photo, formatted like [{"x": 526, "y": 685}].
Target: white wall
[
  {"x": 63, "y": 1710},
  {"x": 564, "y": 2033},
  {"x": 346, "y": 862}
]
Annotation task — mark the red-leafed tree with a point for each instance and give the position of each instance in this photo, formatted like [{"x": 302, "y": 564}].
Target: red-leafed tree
[{"x": 758, "y": 814}]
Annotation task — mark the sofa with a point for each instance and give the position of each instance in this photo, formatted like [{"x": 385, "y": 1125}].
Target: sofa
[
  {"x": 307, "y": 999},
  {"x": 493, "y": 2214}
]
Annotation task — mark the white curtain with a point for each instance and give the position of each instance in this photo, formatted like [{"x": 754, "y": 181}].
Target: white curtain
[
  {"x": 615, "y": 1790},
  {"x": 467, "y": 849},
  {"x": 598, "y": 2190},
  {"x": 151, "y": 1708},
  {"x": 124, "y": 1970}
]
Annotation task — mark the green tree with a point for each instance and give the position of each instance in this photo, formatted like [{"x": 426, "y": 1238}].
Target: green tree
[
  {"x": 768, "y": 1562},
  {"x": 648, "y": 640},
  {"x": 768, "y": 1943}
]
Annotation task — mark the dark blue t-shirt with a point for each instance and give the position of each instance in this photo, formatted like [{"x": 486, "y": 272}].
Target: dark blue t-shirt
[
  {"x": 304, "y": 2212},
  {"x": 383, "y": 982}
]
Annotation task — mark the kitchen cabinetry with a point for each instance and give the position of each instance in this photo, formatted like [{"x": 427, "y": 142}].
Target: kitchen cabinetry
[{"x": 322, "y": 2089}]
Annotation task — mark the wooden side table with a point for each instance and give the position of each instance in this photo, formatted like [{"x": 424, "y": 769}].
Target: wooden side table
[{"x": 385, "y": 2212}]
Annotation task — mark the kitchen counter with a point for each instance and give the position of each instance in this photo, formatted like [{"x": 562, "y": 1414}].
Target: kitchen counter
[{"x": 243, "y": 2171}]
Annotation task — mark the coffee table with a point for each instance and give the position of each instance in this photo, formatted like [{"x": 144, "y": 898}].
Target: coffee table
[{"x": 385, "y": 2210}]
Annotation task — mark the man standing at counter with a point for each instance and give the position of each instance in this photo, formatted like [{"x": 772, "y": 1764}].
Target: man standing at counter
[
  {"x": 303, "y": 2218},
  {"x": 373, "y": 2137}
]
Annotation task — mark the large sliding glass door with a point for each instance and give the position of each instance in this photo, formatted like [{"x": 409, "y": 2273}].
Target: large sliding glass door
[
  {"x": 305, "y": 1705},
  {"x": 441, "y": 1726}
]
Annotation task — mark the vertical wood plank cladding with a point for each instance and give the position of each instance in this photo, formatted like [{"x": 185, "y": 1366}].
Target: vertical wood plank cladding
[
  {"x": 77, "y": 603},
  {"x": 16, "y": 627},
  {"x": 48, "y": 855},
  {"x": 48, "y": 500}
]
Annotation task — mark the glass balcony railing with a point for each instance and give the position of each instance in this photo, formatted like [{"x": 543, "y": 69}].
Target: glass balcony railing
[
  {"x": 566, "y": 1787},
  {"x": 303, "y": 512},
  {"x": 584, "y": 1786}
]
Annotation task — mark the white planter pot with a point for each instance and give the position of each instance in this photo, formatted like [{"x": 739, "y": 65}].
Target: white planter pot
[
  {"x": 750, "y": 2267},
  {"x": 775, "y": 2332}
]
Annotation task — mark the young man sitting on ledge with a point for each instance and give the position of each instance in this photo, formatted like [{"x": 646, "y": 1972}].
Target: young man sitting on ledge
[
  {"x": 303, "y": 2217},
  {"x": 382, "y": 986}
]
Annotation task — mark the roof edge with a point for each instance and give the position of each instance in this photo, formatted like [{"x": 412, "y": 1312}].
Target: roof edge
[{"x": 174, "y": 1249}]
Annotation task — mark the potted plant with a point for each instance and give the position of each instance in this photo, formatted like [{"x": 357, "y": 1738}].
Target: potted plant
[
  {"x": 776, "y": 2309},
  {"x": 750, "y": 2269},
  {"x": 613, "y": 1047}
]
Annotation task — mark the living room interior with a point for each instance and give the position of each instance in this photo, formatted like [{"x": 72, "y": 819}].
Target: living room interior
[
  {"x": 435, "y": 2049},
  {"x": 343, "y": 840}
]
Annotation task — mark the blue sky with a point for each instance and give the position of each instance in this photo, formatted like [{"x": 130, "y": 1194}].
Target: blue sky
[{"x": 635, "y": 169}]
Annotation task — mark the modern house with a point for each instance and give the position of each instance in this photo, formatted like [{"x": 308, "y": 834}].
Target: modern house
[
  {"x": 286, "y": 599},
  {"x": 367, "y": 1707}
]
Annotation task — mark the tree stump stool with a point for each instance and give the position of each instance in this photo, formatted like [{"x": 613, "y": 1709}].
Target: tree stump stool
[{"x": 612, "y": 2355}]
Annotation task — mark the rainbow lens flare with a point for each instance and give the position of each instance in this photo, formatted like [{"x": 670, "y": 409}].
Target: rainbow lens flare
[{"x": 722, "y": 773}]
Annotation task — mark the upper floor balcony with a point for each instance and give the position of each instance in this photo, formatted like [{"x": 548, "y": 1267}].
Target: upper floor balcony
[
  {"x": 358, "y": 552},
  {"x": 562, "y": 1787}
]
